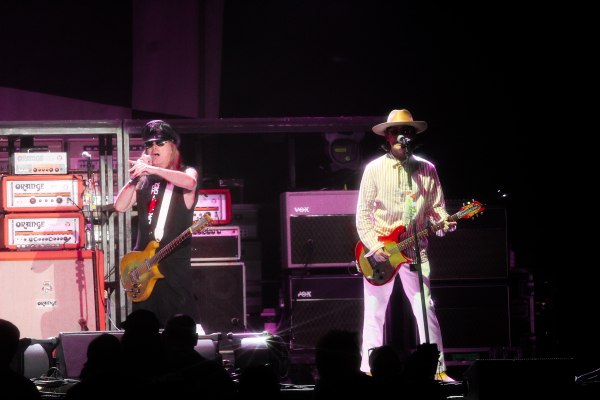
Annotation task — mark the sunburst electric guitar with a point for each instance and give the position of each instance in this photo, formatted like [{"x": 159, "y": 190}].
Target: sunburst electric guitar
[
  {"x": 139, "y": 269},
  {"x": 379, "y": 274}
]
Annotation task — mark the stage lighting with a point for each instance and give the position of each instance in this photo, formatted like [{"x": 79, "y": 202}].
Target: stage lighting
[
  {"x": 259, "y": 349},
  {"x": 344, "y": 150},
  {"x": 34, "y": 356}
]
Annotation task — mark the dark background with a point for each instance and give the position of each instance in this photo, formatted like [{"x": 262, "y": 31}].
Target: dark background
[{"x": 481, "y": 74}]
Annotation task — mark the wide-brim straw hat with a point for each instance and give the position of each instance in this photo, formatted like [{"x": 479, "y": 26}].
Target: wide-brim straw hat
[{"x": 400, "y": 117}]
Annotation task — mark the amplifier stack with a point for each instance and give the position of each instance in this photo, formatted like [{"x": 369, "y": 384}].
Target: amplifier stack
[
  {"x": 40, "y": 204},
  {"x": 41, "y": 212}
]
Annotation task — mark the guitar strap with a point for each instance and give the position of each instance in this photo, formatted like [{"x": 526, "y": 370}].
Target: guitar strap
[{"x": 164, "y": 210}]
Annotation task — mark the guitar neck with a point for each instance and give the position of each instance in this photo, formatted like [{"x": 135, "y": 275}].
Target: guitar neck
[
  {"x": 410, "y": 242},
  {"x": 168, "y": 248}
]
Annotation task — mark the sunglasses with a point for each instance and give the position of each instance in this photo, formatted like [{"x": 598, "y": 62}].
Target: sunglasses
[{"x": 159, "y": 143}]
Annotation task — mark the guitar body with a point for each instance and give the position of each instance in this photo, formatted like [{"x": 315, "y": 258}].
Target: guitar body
[
  {"x": 139, "y": 282},
  {"x": 379, "y": 274}
]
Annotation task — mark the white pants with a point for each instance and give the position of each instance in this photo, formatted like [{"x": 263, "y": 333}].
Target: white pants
[{"x": 376, "y": 302}]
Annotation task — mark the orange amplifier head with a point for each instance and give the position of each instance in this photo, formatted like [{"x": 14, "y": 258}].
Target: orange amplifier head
[
  {"x": 38, "y": 163},
  {"x": 41, "y": 193},
  {"x": 42, "y": 231}
]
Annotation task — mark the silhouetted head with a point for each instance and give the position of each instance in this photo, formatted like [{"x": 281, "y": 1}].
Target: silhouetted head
[
  {"x": 384, "y": 362},
  {"x": 104, "y": 354},
  {"x": 141, "y": 328},
  {"x": 9, "y": 341},
  {"x": 338, "y": 353},
  {"x": 180, "y": 332}
]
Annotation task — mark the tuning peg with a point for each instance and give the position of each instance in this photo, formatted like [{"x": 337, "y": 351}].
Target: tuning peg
[{"x": 481, "y": 213}]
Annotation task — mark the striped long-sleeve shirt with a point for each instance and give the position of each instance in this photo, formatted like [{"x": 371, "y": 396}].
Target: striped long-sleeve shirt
[{"x": 382, "y": 204}]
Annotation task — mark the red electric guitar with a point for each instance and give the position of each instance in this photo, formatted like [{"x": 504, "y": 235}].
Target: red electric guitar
[{"x": 379, "y": 274}]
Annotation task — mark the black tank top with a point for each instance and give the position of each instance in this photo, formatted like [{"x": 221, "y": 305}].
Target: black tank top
[{"x": 179, "y": 218}]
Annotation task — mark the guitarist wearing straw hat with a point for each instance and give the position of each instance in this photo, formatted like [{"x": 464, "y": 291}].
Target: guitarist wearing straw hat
[
  {"x": 158, "y": 177},
  {"x": 385, "y": 202}
]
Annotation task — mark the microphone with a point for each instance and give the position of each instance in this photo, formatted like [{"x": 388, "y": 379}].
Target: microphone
[
  {"x": 87, "y": 155},
  {"x": 402, "y": 139},
  {"x": 238, "y": 323}
]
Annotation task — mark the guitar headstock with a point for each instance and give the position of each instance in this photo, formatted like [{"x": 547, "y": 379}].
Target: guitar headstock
[
  {"x": 470, "y": 210},
  {"x": 201, "y": 223}
]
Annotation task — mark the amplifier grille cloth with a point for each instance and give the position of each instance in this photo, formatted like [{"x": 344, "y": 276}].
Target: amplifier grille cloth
[
  {"x": 313, "y": 319},
  {"x": 334, "y": 238}
]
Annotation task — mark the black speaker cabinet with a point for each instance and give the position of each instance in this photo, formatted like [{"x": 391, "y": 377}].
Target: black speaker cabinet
[
  {"x": 519, "y": 379},
  {"x": 322, "y": 303},
  {"x": 476, "y": 250},
  {"x": 472, "y": 316},
  {"x": 325, "y": 219},
  {"x": 221, "y": 292}
]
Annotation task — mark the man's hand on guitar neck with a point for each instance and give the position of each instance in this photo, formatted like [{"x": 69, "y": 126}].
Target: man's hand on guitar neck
[
  {"x": 448, "y": 226},
  {"x": 381, "y": 255}
]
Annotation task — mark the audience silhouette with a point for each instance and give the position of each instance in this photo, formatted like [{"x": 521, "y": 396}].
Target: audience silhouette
[
  {"x": 146, "y": 364},
  {"x": 188, "y": 374},
  {"x": 12, "y": 384},
  {"x": 102, "y": 375},
  {"x": 338, "y": 362}
]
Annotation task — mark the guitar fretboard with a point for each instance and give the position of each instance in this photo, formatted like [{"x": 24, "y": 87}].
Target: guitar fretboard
[{"x": 410, "y": 242}]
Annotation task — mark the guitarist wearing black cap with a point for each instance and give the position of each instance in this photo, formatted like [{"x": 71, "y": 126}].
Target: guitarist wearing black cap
[{"x": 165, "y": 192}]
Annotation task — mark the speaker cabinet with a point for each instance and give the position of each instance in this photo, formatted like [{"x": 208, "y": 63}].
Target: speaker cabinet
[
  {"x": 476, "y": 250},
  {"x": 519, "y": 379},
  {"x": 47, "y": 292},
  {"x": 322, "y": 303},
  {"x": 221, "y": 292},
  {"x": 472, "y": 316},
  {"x": 325, "y": 219}
]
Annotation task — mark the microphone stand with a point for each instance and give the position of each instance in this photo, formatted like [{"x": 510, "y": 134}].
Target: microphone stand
[
  {"x": 93, "y": 240},
  {"x": 413, "y": 218}
]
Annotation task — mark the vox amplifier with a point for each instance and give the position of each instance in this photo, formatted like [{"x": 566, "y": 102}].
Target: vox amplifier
[
  {"x": 39, "y": 163},
  {"x": 43, "y": 231},
  {"x": 319, "y": 228},
  {"x": 41, "y": 193}
]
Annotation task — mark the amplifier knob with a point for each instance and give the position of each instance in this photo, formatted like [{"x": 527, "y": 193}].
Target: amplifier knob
[
  {"x": 50, "y": 170},
  {"x": 32, "y": 200},
  {"x": 35, "y": 170},
  {"x": 59, "y": 200}
]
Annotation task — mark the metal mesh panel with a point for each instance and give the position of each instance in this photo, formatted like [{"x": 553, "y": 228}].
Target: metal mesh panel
[
  {"x": 469, "y": 254},
  {"x": 312, "y": 319},
  {"x": 334, "y": 238}
]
